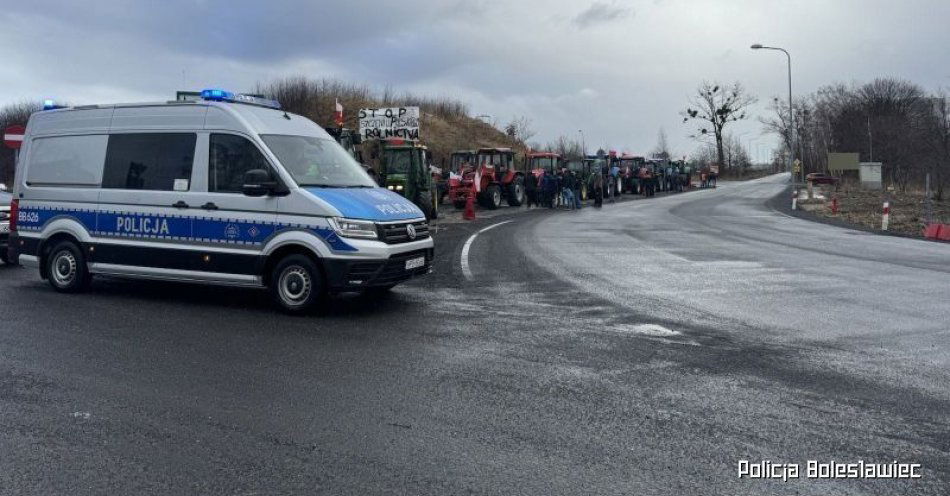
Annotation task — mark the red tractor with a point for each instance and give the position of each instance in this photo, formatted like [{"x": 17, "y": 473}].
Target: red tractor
[{"x": 492, "y": 177}]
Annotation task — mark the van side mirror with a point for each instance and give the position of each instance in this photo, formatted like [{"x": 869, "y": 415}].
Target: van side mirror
[{"x": 258, "y": 182}]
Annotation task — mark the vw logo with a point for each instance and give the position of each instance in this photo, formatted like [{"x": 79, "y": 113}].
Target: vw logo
[{"x": 411, "y": 231}]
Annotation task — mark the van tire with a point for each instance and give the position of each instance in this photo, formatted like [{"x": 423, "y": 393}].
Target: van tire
[
  {"x": 66, "y": 268},
  {"x": 296, "y": 284}
]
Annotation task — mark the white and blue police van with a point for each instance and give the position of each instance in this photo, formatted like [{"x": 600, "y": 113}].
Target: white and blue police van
[{"x": 228, "y": 189}]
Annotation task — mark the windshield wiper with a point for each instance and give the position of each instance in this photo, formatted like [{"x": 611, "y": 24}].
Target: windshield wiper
[{"x": 318, "y": 185}]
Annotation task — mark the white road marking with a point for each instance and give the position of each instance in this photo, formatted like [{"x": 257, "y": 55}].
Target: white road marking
[
  {"x": 466, "y": 271},
  {"x": 647, "y": 329}
]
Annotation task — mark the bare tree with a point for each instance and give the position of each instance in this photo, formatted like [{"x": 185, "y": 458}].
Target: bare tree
[
  {"x": 887, "y": 120},
  {"x": 662, "y": 149},
  {"x": 17, "y": 113},
  {"x": 937, "y": 138},
  {"x": 520, "y": 129},
  {"x": 566, "y": 147},
  {"x": 716, "y": 106}
]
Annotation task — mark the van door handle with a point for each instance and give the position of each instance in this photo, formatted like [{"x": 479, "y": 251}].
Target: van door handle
[
  {"x": 209, "y": 206},
  {"x": 180, "y": 204}
]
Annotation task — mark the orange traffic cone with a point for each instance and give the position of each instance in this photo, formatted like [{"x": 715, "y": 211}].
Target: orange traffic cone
[{"x": 469, "y": 206}]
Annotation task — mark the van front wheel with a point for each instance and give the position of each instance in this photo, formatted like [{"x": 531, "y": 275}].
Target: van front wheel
[
  {"x": 66, "y": 268},
  {"x": 296, "y": 284}
]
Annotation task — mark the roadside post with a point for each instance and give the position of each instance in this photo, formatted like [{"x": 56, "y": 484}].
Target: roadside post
[
  {"x": 834, "y": 205},
  {"x": 886, "y": 216},
  {"x": 469, "y": 213},
  {"x": 794, "y": 198},
  {"x": 928, "y": 204}
]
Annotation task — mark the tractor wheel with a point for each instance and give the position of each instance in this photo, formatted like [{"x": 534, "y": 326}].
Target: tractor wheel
[
  {"x": 424, "y": 201},
  {"x": 492, "y": 197},
  {"x": 516, "y": 192}
]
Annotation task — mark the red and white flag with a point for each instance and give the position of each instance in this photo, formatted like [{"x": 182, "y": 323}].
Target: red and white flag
[{"x": 338, "y": 114}]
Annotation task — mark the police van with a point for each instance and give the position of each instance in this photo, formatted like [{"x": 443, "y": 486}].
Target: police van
[{"x": 228, "y": 189}]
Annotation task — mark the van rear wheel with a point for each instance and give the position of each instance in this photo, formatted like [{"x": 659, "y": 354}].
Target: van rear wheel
[
  {"x": 296, "y": 284},
  {"x": 66, "y": 268}
]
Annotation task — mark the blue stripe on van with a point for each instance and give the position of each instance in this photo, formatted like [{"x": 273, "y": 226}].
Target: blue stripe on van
[{"x": 171, "y": 227}]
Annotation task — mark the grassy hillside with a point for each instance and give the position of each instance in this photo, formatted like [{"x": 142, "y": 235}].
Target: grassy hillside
[{"x": 445, "y": 122}]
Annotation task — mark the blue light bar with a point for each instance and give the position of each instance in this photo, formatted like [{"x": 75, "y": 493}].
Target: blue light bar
[
  {"x": 216, "y": 95},
  {"x": 50, "y": 105}
]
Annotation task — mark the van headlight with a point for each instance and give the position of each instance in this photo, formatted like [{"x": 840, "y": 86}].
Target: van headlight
[{"x": 350, "y": 228}]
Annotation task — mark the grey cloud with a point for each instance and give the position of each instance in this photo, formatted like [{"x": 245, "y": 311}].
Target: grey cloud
[
  {"x": 504, "y": 58},
  {"x": 600, "y": 13}
]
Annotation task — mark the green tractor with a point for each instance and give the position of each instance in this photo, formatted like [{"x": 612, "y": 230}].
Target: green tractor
[
  {"x": 582, "y": 170},
  {"x": 402, "y": 166}
]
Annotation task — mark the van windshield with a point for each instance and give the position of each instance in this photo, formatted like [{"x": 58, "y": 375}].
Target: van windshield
[{"x": 314, "y": 161}]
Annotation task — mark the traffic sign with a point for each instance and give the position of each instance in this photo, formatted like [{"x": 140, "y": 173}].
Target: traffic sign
[
  {"x": 798, "y": 165},
  {"x": 13, "y": 136}
]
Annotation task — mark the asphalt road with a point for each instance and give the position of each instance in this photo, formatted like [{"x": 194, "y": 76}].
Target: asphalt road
[{"x": 642, "y": 348}]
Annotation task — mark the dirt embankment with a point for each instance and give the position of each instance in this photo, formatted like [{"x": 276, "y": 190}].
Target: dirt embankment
[
  {"x": 445, "y": 123},
  {"x": 864, "y": 208}
]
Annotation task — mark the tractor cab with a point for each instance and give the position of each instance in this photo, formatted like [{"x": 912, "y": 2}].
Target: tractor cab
[
  {"x": 491, "y": 177},
  {"x": 629, "y": 168},
  {"x": 540, "y": 163},
  {"x": 402, "y": 167},
  {"x": 460, "y": 160}
]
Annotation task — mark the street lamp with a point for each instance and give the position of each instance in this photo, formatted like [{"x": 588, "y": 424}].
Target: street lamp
[
  {"x": 791, "y": 116},
  {"x": 583, "y": 143}
]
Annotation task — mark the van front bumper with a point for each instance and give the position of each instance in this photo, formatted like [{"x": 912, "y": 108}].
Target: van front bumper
[{"x": 345, "y": 275}]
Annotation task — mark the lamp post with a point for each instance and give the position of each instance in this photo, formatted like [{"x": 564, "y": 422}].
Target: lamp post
[
  {"x": 583, "y": 144},
  {"x": 791, "y": 116}
]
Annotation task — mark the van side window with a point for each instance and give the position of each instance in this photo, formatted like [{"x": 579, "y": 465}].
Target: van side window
[
  {"x": 67, "y": 161},
  {"x": 150, "y": 161},
  {"x": 231, "y": 156}
]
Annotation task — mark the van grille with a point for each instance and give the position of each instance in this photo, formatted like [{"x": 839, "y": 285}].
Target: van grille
[{"x": 398, "y": 232}]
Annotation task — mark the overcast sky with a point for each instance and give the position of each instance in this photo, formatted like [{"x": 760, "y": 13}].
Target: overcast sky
[{"x": 617, "y": 69}]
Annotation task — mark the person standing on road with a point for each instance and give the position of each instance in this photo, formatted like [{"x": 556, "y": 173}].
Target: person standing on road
[
  {"x": 597, "y": 185},
  {"x": 531, "y": 189},
  {"x": 577, "y": 190},
  {"x": 615, "y": 174},
  {"x": 549, "y": 189},
  {"x": 567, "y": 189}
]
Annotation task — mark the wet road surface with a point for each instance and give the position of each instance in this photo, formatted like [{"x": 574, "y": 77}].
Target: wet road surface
[{"x": 643, "y": 348}]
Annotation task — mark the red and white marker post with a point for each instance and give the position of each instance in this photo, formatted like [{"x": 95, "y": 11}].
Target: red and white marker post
[
  {"x": 794, "y": 198},
  {"x": 13, "y": 136},
  {"x": 886, "y": 216}
]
